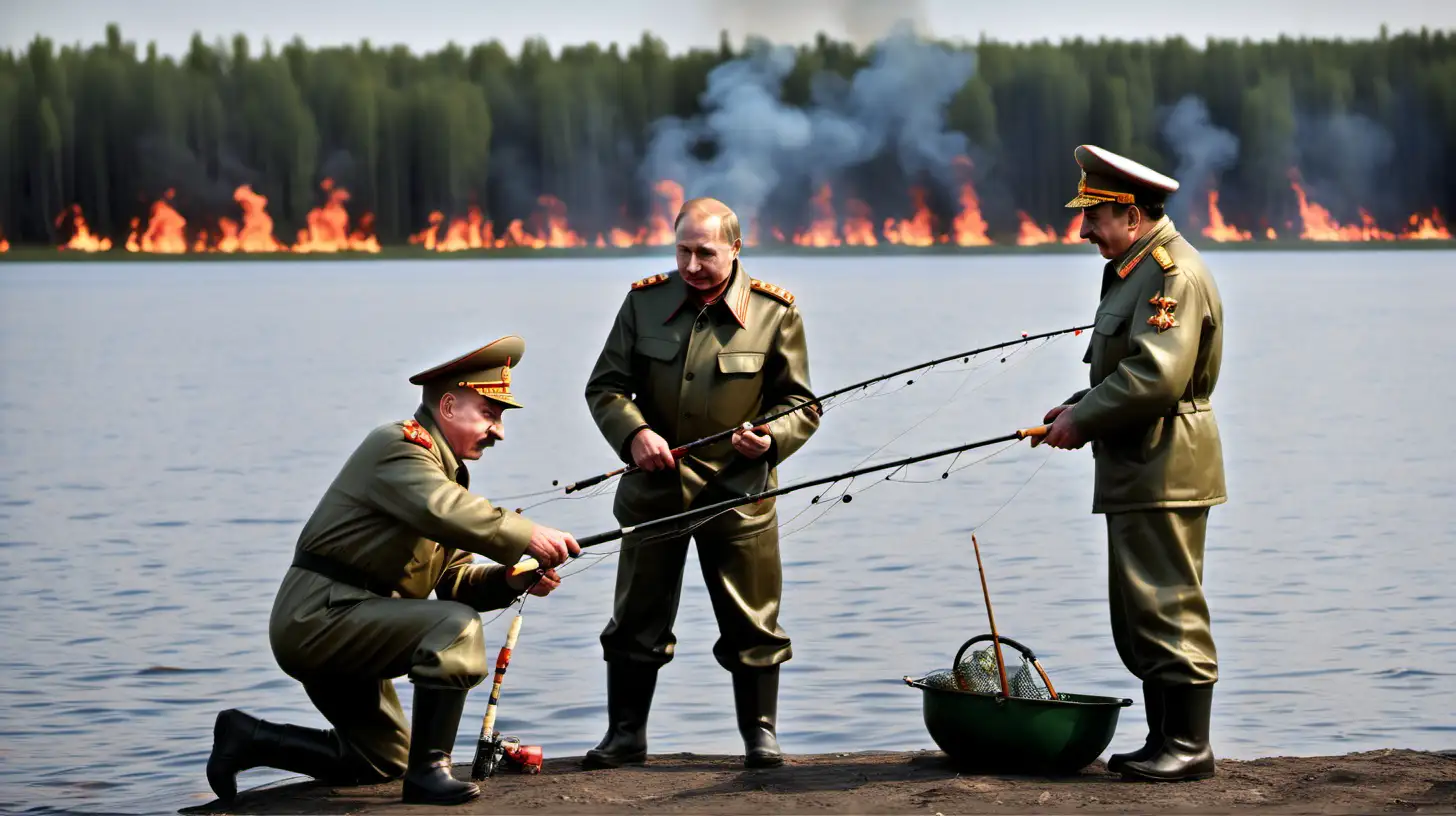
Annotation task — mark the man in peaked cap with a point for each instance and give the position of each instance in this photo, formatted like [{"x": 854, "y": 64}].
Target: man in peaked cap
[
  {"x": 353, "y": 612},
  {"x": 1155, "y": 354},
  {"x": 691, "y": 353}
]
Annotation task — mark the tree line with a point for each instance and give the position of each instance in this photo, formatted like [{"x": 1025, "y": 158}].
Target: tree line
[{"x": 1366, "y": 124}]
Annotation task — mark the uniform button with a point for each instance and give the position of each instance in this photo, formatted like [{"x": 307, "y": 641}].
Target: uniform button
[
  {"x": 700, "y": 324},
  {"x": 688, "y": 376}
]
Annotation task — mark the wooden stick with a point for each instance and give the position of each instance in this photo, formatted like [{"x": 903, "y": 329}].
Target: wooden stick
[
  {"x": 1044, "y": 678},
  {"x": 995, "y": 638}
]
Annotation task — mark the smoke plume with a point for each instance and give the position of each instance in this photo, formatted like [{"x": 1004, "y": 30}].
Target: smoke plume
[
  {"x": 1343, "y": 159},
  {"x": 1204, "y": 151},
  {"x": 755, "y": 143}
]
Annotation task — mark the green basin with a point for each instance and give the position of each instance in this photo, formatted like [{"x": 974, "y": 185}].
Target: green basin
[{"x": 989, "y": 732}]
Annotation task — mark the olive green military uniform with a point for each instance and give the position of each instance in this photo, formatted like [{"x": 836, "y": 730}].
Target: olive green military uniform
[
  {"x": 1155, "y": 354},
  {"x": 688, "y": 372},
  {"x": 399, "y": 515},
  {"x": 1159, "y": 461},
  {"x": 352, "y": 613}
]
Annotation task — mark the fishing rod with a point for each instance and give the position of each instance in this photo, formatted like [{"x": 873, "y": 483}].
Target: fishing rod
[
  {"x": 531, "y": 565},
  {"x": 678, "y": 452}
]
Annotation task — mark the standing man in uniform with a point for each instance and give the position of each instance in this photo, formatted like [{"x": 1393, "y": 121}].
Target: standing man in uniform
[
  {"x": 352, "y": 613},
  {"x": 693, "y": 353},
  {"x": 1155, "y": 353}
]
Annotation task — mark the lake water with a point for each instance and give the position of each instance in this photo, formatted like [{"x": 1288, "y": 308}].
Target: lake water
[{"x": 169, "y": 427}]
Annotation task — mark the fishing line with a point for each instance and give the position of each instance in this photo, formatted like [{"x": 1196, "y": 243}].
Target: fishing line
[{"x": 817, "y": 402}]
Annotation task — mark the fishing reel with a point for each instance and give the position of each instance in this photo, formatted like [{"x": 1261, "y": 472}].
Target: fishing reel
[{"x": 505, "y": 755}]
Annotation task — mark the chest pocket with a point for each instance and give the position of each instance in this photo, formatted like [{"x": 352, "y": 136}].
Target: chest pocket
[
  {"x": 738, "y": 390},
  {"x": 740, "y": 362},
  {"x": 1109, "y": 345}
]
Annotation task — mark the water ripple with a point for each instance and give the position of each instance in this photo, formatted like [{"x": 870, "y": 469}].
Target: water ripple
[{"x": 141, "y": 563}]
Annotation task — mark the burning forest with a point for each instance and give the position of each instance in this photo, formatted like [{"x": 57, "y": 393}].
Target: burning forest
[
  {"x": 907, "y": 144},
  {"x": 331, "y": 229}
]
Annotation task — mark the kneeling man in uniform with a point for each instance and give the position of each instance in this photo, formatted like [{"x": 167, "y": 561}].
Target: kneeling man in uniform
[{"x": 353, "y": 612}]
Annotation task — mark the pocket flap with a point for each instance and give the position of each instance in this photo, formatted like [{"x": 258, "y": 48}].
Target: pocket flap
[
  {"x": 1110, "y": 323},
  {"x": 658, "y": 348},
  {"x": 740, "y": 362}
]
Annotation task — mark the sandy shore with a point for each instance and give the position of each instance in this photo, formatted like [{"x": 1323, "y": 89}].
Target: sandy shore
[{"x": 1386, "y": 781}]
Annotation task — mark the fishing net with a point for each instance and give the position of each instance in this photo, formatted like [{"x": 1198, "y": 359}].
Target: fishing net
[{"x": 976, "y": 671}]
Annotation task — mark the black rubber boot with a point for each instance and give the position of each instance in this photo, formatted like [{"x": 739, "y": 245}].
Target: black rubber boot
[
  {"x": 1185, "y": 754},
  {"x": 630, "y": 686},
  {"x": 1153, "y": 705},
  {"x": 432, "y": 737},
  {"x": 241, "y": 742},
  {"x": 756, "y": 698}
]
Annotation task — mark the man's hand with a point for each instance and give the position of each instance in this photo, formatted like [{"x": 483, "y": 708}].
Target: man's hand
[
  {"x": 651, "y": 451},
  {"x": 1064, "y": 433},
  {"x": 551, "y": 547},
  {"x": 1051, "y": 416},
  {"x": 540, "y": 583},
  {"x": 750, "y": 443}
]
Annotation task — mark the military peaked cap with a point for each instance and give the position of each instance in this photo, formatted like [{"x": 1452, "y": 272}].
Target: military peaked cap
[
  {"x": 1107, "y": 176},
  {"x": 487, "y": 370}
]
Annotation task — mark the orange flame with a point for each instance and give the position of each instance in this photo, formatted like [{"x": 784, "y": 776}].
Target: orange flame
[
  {"x": 1217, "y": 228},
  {"x": 81, "y": 239},
  {"x": 822, "y": 230},
  {"x": 166, "y": 231},
  {"x": 1427, "y": 228},
  {"x": 1031, "y": 234},
  {"x": 328, "y": 227},
  {"x": 918, "y": 229},
  {"x": 859, "y": 225},
  {"x": 257, "y": 232},
  {"x": 969, "y": 226}
]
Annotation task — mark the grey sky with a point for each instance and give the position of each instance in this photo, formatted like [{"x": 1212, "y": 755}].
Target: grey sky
[{"x": 429, "y": 24}]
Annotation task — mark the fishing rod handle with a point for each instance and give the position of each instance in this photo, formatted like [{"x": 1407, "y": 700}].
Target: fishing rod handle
[
  {"x": 531, "y": 564},
  {"x": 677, "y": 453},
  {"x": 1033, "y": 433},
  {"x": 595, "y": 480}
]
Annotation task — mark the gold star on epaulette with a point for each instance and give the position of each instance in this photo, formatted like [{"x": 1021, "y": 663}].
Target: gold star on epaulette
[
  {"x": 416, "y": 433},
  {"x": 1163, "y": 319},
  {"x": 652, "y": 281},
  {"x": 773, "y": 291}
]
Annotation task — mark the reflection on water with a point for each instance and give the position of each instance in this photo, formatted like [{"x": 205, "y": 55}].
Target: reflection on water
[{"x": 170, "y": 427}]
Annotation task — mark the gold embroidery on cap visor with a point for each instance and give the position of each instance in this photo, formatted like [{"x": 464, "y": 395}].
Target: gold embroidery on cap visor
[
  {"x": 1091, "y": 196},
  {"x": 498, "y": 390}
]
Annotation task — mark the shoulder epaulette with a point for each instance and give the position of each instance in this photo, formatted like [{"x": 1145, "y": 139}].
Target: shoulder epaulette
[
  {"x": 652, "y": 281},
  {"x": 772, "y": 291},
  {"x": 416, "y": 433},
  {"x": 1160, "y": 254}
]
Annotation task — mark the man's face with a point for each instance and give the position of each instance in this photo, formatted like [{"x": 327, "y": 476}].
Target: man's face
[
  {"x": 470, "y": 422},
  {"x": 1112, "y": 230},
  {"x": 704, "y": 259}
]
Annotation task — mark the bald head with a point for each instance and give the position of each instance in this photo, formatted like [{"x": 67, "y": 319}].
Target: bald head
[{"x": 712, "y": 215}]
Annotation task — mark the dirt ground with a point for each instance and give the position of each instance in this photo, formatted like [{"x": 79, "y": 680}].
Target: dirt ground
[{"x": 1387, "y": 781}]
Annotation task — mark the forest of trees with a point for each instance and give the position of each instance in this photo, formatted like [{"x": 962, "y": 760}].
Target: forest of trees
[{"x": 1367, "y": 124}]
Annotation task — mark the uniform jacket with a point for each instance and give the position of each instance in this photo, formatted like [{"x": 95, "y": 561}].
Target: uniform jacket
[
  {"x": 688, "y": 372},
  {"x": 400, "y": 512},
  {"x": 1155, "y": 354}
]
